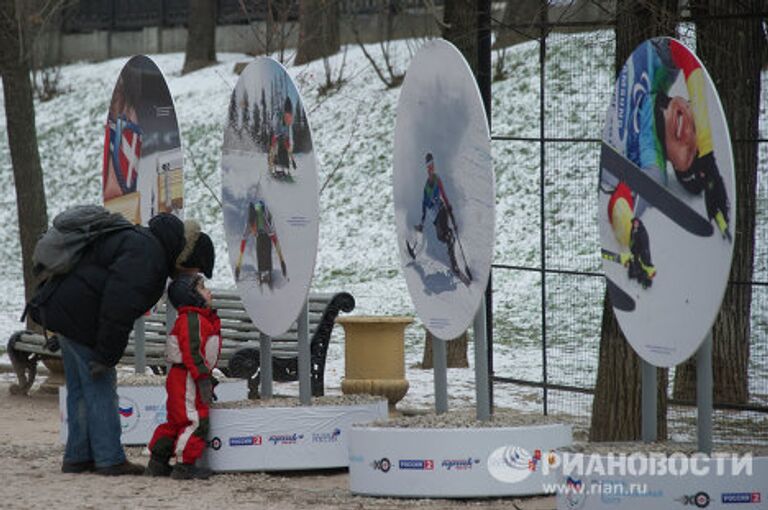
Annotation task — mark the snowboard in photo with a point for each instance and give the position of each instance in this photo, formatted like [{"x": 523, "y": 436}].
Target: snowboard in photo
[
  {"x": 142, "y": 171},
  {"x": 444, "y": 189},
  {"x": 269, "y": 195},
  {"x": 666, "y": 201}
]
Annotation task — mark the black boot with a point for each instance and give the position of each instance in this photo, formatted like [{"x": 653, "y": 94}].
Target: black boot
[
  {"x": 189, "y": 472},
  {"x": 158, "y": 467}
]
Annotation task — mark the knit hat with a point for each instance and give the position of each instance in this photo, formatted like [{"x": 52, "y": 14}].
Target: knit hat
[
  {"x": 620, "y": 213},
  {"x": 183, "y": 291},
  {"x": 169, "y": 230},
  {"x": 198, "y": 252}
]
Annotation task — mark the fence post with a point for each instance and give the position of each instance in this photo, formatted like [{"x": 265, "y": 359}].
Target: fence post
[{"x": 542, "y": 211}]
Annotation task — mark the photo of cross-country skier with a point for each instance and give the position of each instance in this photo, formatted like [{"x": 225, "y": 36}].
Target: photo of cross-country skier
[
  {"x": 443, "y": 187},
  {"x": 260, "y": 229},
  {"x": 666, "y": 201},
  {"x": 142, "y": 166},
  {"x": 269, "y": 195}
]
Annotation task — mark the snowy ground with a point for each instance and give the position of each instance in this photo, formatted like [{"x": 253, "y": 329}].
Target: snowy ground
[{"x": 353, "y": 132}]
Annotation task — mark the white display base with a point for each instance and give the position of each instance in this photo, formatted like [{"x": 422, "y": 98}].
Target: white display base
[
  {"x": 717, "y": 489},
  {"x": 453, "y": 462},
  {"x": 142, "y": 408},
  {"x": 285, "y": 438}
]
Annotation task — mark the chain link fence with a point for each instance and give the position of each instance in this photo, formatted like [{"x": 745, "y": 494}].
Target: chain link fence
[{"x": 548, "y": 292}]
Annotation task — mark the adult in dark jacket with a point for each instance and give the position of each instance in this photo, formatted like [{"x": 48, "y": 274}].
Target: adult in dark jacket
[{"x": 93, "y": 308}]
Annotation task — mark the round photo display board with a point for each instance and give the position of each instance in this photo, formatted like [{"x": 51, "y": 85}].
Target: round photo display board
[
  {"x": 444, "y": 189},
  {"x": 667, "y": 201},
  {"x": 142, "y": 171},
  {"x": 269, "y": 195}
]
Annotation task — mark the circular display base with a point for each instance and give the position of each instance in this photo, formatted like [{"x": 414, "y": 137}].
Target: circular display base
[
  {"x": 453, "y": 463},
  {"x": 142, "y": 406},
  {"x": 663, "y": 482},
  {"x": 285, "y": 438}
]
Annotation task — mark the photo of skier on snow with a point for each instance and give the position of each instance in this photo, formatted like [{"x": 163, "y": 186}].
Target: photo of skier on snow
[
  {"x": 261, "y": 228},
  {"x": 436, "y": 202},
  {"x": 280, "y": 154},
  {"x": 654, "y": 130},
  {"x": 269, "y": 195},
  {"x": 666, "y": 195}
]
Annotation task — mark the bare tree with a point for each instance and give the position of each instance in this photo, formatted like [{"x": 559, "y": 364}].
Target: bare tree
[
  {"x": 388, "y": 72},
  {"x": 318, "y": 30},
  {"x": 201, "y": 35},
  {"x": 616, "y": 404},
  {"x": 520, "y": 23},
  {"x": 731, "y": 50},
  {"x": 22, "y": 136}
]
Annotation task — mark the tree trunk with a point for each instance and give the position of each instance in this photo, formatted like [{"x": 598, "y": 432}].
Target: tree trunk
[
  {"x": 201, "y": 35},
  {"x": 520, "y": 22},
  {"x": 731, "y": 51},
  {"x": 22, "y": 138},
  {"x": 318, "y": 30},
  {"x": 616, "y": 411},
  {"x": 456, "y": 352},
  {"x": 460, "y": 27}
]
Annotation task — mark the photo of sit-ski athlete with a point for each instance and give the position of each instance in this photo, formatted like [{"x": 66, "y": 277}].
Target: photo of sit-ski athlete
[
  {"x": 435, "y": 202},
  {"x": 280, "y": 155},
  {"x": 123, "y": 137},
  {"x": 651, "y": 129},
  {"x": 261, "y": 228}
]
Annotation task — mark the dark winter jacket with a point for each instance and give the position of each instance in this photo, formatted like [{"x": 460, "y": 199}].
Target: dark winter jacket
[{"x": 120, "y": 277}]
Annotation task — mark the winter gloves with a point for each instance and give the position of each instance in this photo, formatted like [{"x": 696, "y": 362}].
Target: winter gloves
[{"x": 205, "y": 387}]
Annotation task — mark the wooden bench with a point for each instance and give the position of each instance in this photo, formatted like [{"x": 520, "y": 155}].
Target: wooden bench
[{"x": 240, "y": 343}]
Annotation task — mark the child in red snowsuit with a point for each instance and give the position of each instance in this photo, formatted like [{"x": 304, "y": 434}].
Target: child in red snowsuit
[{"x": 192, "y": 349}]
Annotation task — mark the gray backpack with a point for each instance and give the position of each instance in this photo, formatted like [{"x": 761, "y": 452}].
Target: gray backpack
[{"x": 62, "y": 246}]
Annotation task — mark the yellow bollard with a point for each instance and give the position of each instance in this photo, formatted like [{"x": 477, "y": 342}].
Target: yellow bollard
[{"x": 374, "y": 356}]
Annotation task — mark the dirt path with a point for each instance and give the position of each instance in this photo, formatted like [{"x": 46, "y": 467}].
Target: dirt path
[{"x": 30, "y": 477}]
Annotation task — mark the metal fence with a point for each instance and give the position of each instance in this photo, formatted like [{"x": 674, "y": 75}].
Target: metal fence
[
  {"x": 89, "y": 15},
  {"x": 564, "y": 286}
]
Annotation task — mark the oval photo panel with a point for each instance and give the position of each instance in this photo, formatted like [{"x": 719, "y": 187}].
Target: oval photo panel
[
  {"x": 270, "y": 195},
  {"x": 444, "y": 189},
  {"x": 666, "y": 202},
  {"x": 142, "y": 168}
]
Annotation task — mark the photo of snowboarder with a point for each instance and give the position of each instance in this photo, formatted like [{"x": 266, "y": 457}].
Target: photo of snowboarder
[
  {"x": 666, "y": 195},
  {"x": 261, "y": 229},
  {"x": 269, "y": 195},
  {"x": 444, "y": 189},
  {"x": 142, "y": 166}
]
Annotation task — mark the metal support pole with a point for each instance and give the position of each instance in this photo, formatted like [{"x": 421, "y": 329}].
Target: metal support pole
[
  {"x": 649, "y": 403},
  {"x": 482, "y": 392},
  {"x": 305, "y": 368},
  {"x": 139, "y": 353},
  {"x": 704, "y": 389},
  {"x": 440, "y": 358},
  {"x": 484, "y": 80},
  {"x": 542, "y": 208},
  {"x": 265, "y": 354}
]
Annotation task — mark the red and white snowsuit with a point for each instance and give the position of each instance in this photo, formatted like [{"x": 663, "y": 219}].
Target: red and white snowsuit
[{"x": 193, "y": 349}]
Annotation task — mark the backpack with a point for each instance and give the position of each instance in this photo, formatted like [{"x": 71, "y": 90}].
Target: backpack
[{"x": 61, "y": 247}]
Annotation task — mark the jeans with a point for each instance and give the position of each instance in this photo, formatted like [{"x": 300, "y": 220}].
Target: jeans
[{"x": 92, "y": 408}]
